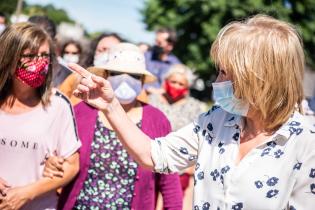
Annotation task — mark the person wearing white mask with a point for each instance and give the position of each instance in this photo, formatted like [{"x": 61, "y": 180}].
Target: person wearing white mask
[
  {"x": 96, "y": 56},
  {"x": 101, "y": 46},
  {"x": 109, "y": 177},
  {"x": 253, "y": 150},
  {"x": 71, "y": 51}
]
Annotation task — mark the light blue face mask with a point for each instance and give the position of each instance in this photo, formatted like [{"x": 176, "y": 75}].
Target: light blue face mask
[
  {"x": 223, "y": 95},
  {"x": 126, "y": 88}
]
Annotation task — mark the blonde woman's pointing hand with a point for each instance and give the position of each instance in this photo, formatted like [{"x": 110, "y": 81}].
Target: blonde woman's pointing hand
[{"x": 93, "y": 89}]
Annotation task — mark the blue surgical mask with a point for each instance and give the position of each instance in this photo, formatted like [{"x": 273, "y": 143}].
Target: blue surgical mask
[
  {"x": 126, "y": 88},
  {"x": 223, "y": 95}
]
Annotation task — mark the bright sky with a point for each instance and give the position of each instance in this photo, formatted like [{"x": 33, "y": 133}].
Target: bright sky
[{"x": 120, "y": 16}]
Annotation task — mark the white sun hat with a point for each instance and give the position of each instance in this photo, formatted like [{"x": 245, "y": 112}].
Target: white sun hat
[{"x": 127, "y": 58}]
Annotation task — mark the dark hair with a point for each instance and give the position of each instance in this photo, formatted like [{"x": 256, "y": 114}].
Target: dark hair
[
  {"x": 47, "y": 24},
  {"x": 14, "y": 40},
  {"x": 102, "y": 36},
  {"x": 88, "y": 58},
  {"x": 75, "y": 43},
  {"x": 172, "y": 37},
  {"x": 2, "y": 15}
]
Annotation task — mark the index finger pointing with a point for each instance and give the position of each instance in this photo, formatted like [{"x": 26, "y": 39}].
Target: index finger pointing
[{"x": 80, "y": 70}]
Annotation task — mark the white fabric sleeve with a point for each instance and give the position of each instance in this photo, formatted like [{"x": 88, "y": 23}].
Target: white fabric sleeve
[
  {"x": 303, "y": 195},
  {"x": 178, "y": 150},
  {"x": 68, "y": 142}
]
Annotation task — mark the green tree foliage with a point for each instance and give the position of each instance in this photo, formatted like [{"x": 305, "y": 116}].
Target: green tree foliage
[
  {"x": 8, "y": 7},
  {"x": 198, "y": 22},
  {"x": 57, "y": 15}
]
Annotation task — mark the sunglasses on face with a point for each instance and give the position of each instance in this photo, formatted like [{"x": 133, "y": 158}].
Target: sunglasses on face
[{"x": 135, "y": 76}]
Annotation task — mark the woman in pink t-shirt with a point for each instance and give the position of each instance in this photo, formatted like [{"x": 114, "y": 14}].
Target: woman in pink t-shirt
[{"x": 35, "y": 121}]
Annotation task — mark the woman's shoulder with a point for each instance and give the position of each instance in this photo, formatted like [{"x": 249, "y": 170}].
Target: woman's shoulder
[
  {"x": 153, "y": 111},
  {"x": 59, "y": 107},
  {"x": 301, "y": 130},
  {"x": 217, "y": 120},
  {"x": 58, "y": 99},
  {"x": 297, "y": 136},
  {"x": 154, "y": 121},
  {"x": 215, "y": 113},
  {"x": 61, "y": 100},
  {"x": 298, "y": 125}
]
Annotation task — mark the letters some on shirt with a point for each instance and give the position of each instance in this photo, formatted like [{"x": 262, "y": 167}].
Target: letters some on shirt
[{"x": 18, "y": 144}]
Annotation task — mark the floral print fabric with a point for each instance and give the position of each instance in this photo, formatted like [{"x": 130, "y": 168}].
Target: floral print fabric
[
  {"x": 111, "y": 175},
  {"x": 278, "y": 174}
]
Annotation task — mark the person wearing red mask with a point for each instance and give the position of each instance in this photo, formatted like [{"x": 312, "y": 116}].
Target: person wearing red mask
[
  {"x": 180, "y": 108},
  {"x": 175, "y": 88},
  {"x": 36, "y": 121},
  {"x": 175, "y": 101}
]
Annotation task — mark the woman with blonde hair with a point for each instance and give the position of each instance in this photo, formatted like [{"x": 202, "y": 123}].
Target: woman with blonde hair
[
  {"x": 35, "y": 121},
  {"x": 254, "y": 150}
]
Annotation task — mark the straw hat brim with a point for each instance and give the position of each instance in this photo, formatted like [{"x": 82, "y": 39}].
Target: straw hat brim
[{"x": 148, "y": 77}]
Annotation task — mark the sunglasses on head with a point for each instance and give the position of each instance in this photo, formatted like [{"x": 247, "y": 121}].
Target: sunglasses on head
[{"x": 115, "y": 73}]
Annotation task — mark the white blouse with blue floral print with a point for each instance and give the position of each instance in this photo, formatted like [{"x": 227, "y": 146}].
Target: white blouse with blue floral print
[{"x": 278, "y": 174}]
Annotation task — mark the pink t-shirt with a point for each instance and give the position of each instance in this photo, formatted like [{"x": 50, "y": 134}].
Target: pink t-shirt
[{"x": 26, "y": 139}]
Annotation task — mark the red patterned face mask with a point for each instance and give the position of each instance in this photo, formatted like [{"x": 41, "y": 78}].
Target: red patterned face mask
[
  {"x": 33, "y": 73},
  {"x": 175, "y": 93}
]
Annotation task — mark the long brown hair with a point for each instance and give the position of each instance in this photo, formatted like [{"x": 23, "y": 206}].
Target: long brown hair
[{"x": 14, "y": 40}]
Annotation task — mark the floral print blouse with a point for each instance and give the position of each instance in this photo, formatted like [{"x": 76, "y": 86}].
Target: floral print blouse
[
  {"x": 111, "y": 175},
  {"x": 278, "y": 174}
]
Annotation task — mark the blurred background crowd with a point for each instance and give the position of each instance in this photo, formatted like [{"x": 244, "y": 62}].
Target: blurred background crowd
[
  {"x": 174, "y": 35},
  {"x": 196, "y": 23}
]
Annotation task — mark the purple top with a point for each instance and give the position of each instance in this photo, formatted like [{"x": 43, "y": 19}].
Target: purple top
[
  {"x": 112, "y": 173},
  {"x": 154, "y": 124},
  {"x": 159, "y": 68}
]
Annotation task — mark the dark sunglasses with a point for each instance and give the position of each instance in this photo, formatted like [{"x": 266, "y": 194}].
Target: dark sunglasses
[{"x": 115, "y": 73}]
